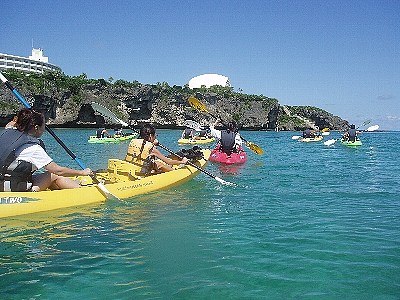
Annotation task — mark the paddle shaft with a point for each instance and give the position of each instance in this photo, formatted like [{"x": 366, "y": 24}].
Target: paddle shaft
[
  {"x": 198, "y": 168},
  {"x": 189, "y": 163}
]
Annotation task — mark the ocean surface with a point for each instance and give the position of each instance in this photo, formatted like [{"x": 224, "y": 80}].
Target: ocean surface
[{"x": 306, "y": 221}]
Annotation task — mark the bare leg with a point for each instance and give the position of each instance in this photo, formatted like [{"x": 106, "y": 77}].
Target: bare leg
[
  {"x": 163, "y": 167},
  {"x": 49, "y": 180}
]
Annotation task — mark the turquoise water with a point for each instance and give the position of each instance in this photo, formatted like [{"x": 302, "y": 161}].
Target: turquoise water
[{"x": 307, "y": 221}]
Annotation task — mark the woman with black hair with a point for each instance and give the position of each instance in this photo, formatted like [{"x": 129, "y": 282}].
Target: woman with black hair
[
  {"x": 22, "y": 153},
  {"x": 144, "y": 151}
]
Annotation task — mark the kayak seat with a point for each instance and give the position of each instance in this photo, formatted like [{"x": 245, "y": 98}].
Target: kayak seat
[{"x": 121, "y": 170}]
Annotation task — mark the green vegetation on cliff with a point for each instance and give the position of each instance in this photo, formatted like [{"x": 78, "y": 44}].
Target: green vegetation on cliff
[{"x": 66, "y": 101}]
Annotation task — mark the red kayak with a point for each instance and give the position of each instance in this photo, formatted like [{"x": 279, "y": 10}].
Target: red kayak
[{"x": 234, "y": 158}]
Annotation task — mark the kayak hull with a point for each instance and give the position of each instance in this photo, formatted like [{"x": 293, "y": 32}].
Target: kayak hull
[
  {"x": 218, "y": 156},
  {"x": 120, "y": 178},
  {"x": 110, "y": 140},
  {"x": 351, "y": 144},
  {"x": 312, "y": 139},
  {"x": 196, "y": 141}
]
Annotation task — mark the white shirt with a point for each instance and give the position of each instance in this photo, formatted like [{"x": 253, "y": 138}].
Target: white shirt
[{"x": 34, "y": 154}]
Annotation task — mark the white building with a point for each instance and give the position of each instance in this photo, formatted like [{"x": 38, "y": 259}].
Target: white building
[
  {"x": 208, "y": 80},
  {"x": 34, "y": 63}
]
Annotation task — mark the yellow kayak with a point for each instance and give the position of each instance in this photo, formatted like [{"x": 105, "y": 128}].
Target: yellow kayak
[
  {"x": 311, "y": 139},
  {"x": 196, "y": 140},
  {"x": 121, "y": 178}
]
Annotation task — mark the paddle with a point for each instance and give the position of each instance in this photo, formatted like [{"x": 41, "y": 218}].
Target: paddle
[
  {"x": 197, "y": 104},
  {"x": 109, "y": 114},
  {"x": 198, "y": 168},
  {"x": 106, "y": 192},
  {"x": 370, "y": 129},
  {"x": 105, "y": 112}
]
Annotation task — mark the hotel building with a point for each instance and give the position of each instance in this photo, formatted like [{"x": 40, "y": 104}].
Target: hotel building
[{"x": 35, "y": 63}]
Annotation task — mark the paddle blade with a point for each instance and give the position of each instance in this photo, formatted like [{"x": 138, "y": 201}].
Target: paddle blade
[
  {"x": 224, "y": 182},
  {"x": 106, "y": 192},
  {"x": 372, "y": 128},
  {"x": 329, "y": 142},
  {"x": 255, "y": 148},
  {"x": 192, "y": 124},
  {"x": 296, "y": 137},
  {"x": 197, "y": 104},
  {"x": 105, "y": 112},
  {"x": 366, "y": 122}
]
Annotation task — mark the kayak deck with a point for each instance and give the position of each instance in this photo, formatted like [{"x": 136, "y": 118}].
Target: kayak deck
[
  {"x": 350, "y": 143},
  {"x": 311, "y": 139},
  {"x": 239, "y": 157},
  {"x": 121, "y": 178}
]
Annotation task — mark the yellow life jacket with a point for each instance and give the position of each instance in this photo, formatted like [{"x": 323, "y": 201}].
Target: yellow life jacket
[{"x": 138, "y": 150}]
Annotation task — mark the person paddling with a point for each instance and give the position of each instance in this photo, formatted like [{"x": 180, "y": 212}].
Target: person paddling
[
  {"x": 22, "y": 153},
  {"x": 187, "y": 133},
  {"x": 229, "y": 139},
  {"x": 143, "y": 151},
  {"x": 352, "y": 134},
  {"x": 102, "y": 133}
]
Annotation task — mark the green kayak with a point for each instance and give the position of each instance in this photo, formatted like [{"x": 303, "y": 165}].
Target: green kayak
[
  {"x": 351, "y": 144},
  {"x": 114, "y": 139}
]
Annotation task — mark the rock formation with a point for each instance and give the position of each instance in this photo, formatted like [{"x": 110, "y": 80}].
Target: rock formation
[{"x": 66, "y": 103}]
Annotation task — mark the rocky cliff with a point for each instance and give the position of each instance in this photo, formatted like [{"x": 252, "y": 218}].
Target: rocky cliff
[{"x": 66, "y": 102}]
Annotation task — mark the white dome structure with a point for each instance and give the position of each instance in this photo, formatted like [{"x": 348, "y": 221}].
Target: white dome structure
[{"x": 208, "y": 80}]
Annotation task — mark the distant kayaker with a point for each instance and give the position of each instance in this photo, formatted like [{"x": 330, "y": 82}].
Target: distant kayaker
[
  {"x": 18, "y": 166},
  {"x": 118, "y": 132},
  {"x": 188, "y": 133},
  {"x": 308, "y": 133},
  {"x": 352, "y": 134},
  {"x": 102, "y": 133},
  {"x": 203, "y": 134},
  {"x": 143, "y": 151},
  {"x": 229, "y": 139}
]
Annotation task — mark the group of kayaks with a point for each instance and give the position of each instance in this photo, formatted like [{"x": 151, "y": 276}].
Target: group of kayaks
[
  {"x": 121, "y": 178},
  {"x": 319, "y": 138}
]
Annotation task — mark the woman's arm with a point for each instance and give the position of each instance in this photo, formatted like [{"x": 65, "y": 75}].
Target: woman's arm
[
  {"x": 168, "y": 160},
  {"x": 64, "y": 171}
]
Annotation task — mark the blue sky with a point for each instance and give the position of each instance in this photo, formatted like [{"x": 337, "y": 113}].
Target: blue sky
[{"x": 341, "y": 56}]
